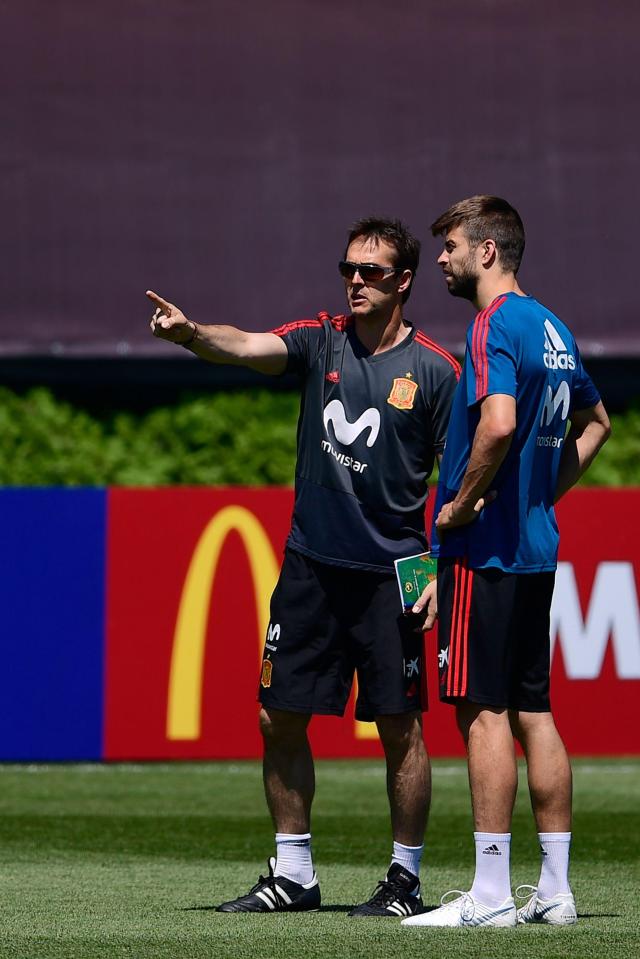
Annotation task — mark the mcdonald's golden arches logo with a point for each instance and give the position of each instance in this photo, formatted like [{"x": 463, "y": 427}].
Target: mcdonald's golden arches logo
[
  {"x": 184, "y": 704},
  {"x": 184, "y": 707}
]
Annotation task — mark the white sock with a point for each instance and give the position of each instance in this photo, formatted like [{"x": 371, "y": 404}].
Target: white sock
[
  {"x": 554, "y": 874},
  {"x": 409, "y": 857},
  {"x": 492, "y": 881},
  {"x": 293, "y": 857}
]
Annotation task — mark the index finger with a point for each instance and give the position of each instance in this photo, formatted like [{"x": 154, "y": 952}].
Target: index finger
[{"x": 163, "y": 304}]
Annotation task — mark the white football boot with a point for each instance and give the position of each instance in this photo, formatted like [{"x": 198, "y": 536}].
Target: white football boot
[
  {"x": 560, "y": 910},
  {"x": 465, "y": 910}
]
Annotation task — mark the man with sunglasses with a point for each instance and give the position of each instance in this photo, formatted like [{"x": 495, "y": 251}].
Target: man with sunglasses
[{"x": 376, "y": 400}]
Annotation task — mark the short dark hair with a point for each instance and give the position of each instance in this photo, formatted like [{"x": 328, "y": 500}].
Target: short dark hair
[
  {"x": 395, "y": 233},
  {"x": 484, "y": 218}
]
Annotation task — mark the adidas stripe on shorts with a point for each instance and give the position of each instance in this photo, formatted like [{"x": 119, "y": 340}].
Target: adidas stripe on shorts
[{"x": 493, "y": 636}]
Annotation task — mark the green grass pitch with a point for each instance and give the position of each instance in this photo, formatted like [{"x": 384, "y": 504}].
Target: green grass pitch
[{"x": 128, "y": 860}]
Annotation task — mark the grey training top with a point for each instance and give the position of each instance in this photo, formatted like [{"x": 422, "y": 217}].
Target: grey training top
[{"x": 369, "y": 429}]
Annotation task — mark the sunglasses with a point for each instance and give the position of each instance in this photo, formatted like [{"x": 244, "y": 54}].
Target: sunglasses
[{"x": 369, "y": 272}]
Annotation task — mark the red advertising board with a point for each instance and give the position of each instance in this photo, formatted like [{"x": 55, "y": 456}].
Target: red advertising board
[
  {"x": 190, "y": 573},
  {"x": 153, "y": 541},
  {"x": 595, "y": 623}
]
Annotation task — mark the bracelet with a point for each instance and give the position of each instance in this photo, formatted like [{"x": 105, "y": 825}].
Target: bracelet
[{"x": 193, "y": 335}]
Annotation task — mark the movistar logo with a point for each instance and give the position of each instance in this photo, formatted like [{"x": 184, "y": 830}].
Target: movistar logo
[
  {"x": 556, "y": 355},
  {"x": 273, "y": 635},
  {"x": 346, "y": 432},
  {"x": 349, "y": 461},
  {"x": 554, "y": 403}
]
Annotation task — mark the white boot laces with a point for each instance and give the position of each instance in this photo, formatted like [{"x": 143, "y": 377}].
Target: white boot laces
[
  {"x": 526, "y": 891},
  {"x": 467, "y": 906}
]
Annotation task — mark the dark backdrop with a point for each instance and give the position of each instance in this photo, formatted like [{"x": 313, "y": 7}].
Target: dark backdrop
[{"x": 218, "y": 151}]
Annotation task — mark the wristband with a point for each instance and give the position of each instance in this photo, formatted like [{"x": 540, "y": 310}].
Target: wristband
[{"x": 193, "y": 335}]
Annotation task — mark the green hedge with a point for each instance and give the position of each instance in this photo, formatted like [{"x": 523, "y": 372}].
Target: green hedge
[
  {"x": 244, "y": 438},
  {"x": 618, "y": 463},
  {"x": 239, "y": 438}
]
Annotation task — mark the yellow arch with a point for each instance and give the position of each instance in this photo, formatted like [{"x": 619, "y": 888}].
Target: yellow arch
[{"x": 184, "y": 708}]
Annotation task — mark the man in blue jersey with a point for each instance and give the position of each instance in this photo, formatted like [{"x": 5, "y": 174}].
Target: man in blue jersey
[
  {"x": 522, "y": 384},
  {"x": 376, "y": 401}
]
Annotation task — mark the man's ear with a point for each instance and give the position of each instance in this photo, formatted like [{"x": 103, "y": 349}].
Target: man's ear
[
  {"x": 488, "y": 252},
  {"x": 405, "y": 281}
]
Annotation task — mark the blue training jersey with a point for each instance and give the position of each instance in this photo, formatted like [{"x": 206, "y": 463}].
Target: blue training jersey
[{"x": 518, "y": 347}]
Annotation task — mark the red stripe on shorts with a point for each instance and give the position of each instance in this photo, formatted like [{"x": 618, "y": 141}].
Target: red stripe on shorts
[
  {"x": 453, "y": 636},
  {"x": 458, "y": 649},
  {"x": 465, "y": 635}
]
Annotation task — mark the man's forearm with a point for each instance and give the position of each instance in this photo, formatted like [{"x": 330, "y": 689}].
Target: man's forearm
[
  {"x": 264, "y": 352},
  {"x": 578, "y": 452},
  {"x": 487, "y": 455},
  {"x": 218, "y": 344},
  {"x": 491, "y": 444}
]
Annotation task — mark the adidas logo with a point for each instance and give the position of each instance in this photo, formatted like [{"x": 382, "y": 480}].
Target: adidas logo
[
  {"x": 491, "y": 850},
  {"x": 556, "y": 355}
]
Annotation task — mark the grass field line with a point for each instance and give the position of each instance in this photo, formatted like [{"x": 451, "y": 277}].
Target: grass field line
[{"x": 366, "y": 767}]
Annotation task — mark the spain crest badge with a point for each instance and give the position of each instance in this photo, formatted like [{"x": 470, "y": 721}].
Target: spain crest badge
[
  {"x": 265, "y": 679},
  {"x": 403, "y": 392}
]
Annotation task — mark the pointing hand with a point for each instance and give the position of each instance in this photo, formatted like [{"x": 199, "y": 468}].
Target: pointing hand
[{"x": 169, "y": 323}]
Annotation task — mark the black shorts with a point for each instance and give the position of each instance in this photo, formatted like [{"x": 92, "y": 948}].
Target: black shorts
[
  {"x": 329, "y": 621},
  {"x": 493, "y": 636}
]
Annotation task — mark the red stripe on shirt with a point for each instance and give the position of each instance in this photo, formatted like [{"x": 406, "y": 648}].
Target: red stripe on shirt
[
  {"x": 477, "y": 323},
  {"x": 479, "y": 346},
  {"x": 339, "y": 323},
  {"x": 290, "y": 327},
  {"x": 424, "y": 340},
  {"x": 478, "y": 358},
  {"x": 485, "y": 359}
]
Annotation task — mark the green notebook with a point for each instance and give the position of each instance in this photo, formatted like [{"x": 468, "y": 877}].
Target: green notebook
[{"x": 413, "y": 574}]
